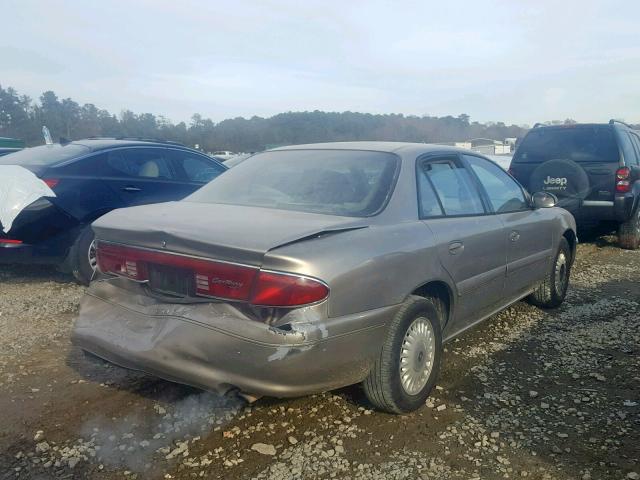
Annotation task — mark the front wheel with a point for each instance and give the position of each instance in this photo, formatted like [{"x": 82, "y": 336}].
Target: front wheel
[
  {"x": 553, "y": 290},
  {"x": 629, "y": 232},
  {"x": 407, "y": 369}
]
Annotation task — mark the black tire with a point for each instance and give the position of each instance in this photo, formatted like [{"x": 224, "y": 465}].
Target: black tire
[
  {"x": 629, "y": 232},
  {"x": 79, "y": 261},
  {"x": 553, "y": 290},
  {"x": 383, "y": 387}
]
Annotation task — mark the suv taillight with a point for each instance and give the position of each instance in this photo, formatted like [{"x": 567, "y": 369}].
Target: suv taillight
[
  {"x": 215, "y": 278},
  {"x": 623, "y": 180}
]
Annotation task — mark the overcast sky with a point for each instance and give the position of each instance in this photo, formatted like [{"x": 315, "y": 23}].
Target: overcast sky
[{"x": 513, "y": 61}]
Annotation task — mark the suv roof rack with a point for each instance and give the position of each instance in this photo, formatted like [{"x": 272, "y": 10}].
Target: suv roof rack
[
  {"x": 613, "y": 120},
  {"x": 140, "y": 139},
  {"x": 538, "y": 125}
]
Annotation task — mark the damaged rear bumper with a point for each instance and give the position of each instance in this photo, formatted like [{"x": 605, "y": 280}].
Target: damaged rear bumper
[{"x": 215, "y": 346}]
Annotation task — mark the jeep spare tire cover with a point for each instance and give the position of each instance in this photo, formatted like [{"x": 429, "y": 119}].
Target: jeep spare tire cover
[{"x": 565, "y": 179}]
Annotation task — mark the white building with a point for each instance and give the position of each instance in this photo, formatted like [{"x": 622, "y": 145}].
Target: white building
[{"x": 488, "y": 146}]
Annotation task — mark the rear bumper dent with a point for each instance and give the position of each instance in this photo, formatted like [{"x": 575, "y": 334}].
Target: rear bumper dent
[{"x": 211, "y": 345}]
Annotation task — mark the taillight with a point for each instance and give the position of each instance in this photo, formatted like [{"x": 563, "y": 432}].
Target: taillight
[
  {"x": 223, "y": 280},
  {"x": 623, "y": 180},
  {"x": 51, "y": 182},
  {"x": 286, "y": 290},
  {"x": 214, "y": 278},
  {"x": 10, "y": 241},
  {"x": 120, "y": 260}
]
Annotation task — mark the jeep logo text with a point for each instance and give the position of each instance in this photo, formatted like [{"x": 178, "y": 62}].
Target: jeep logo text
[{"x": 561, "y": 181}]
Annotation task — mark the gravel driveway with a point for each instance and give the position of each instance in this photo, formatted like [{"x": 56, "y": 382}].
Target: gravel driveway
[{"x": 528, "y": 394}]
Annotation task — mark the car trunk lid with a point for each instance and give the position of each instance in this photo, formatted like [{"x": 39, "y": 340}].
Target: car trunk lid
[
  {"x": 188, "y": 249},
  {"x": 230, "y": 233}
]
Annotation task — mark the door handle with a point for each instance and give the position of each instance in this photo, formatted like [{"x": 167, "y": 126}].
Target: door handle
[
  {"x": 514, "y": 236},
  {"x": 456, "y": 247},
  {"x": 129, "y": 188}
]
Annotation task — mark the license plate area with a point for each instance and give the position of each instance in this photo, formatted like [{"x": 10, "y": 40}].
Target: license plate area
[{"x": 171, "y": 280}]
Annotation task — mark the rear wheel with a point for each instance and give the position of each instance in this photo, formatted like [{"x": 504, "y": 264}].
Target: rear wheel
[
  {"x": 407, "y": 369},
  {"x": 553, "y": 290},
  {"x": 629, "y": 232},
  {"x": 83, "y": 258}
]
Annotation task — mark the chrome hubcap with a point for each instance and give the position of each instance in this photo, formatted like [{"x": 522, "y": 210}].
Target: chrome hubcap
[
  {"x": 93, "y": 258},
  {"x": 561, "y": 273},
  {"x": 417, "y": 356}
]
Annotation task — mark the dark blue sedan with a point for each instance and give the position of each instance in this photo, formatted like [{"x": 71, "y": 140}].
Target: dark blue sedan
[{"x": 90, "y": 178}]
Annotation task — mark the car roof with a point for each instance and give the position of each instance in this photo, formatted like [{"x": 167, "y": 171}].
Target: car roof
[
  {"x": 400, "y": 148},
  {"x": 101, "y": 143},
  {"x": 570, "y": 125},
  {"x": 562, "y": 126}
]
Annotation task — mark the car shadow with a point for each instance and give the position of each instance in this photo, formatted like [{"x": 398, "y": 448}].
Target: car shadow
[
  {"x": 98, "y": 371},
  {"x": 33, "y": 273}
]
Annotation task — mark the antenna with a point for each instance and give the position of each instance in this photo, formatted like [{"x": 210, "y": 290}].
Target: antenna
[{"x": 47, "y": 136}]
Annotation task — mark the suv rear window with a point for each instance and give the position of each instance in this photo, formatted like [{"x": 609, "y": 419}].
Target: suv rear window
[
  {"x": 45, "y": 154},
  {"x": 587, "y": 143}
]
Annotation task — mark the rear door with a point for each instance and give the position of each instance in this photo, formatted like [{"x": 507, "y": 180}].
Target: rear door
[
  {"x": 471, "y": 242},
  {"x": 80, "y": 187},
  {"x": 142, "y": 175},
  {"x": 527, "y": 233},
  {"x": 634, "y": 163}
]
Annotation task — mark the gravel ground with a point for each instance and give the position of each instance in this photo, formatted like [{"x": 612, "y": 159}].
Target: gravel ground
[{"x": 529, "y": 394}]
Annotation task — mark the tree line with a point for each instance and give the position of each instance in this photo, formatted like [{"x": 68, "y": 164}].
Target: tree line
[{"x": 22, "y": 117}]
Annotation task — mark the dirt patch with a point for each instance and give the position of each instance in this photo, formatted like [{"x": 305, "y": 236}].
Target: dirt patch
[{"x": 528, "y": 394}]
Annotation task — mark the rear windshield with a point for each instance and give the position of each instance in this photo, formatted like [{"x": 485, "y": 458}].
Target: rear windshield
[
  {"x": 589, "y": 143},
  {"x": 335, "y": 182},
  {"x": 44, "y": 155}
]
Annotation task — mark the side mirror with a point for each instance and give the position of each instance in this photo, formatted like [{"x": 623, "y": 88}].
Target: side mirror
[{"x": 544, "y": 200}]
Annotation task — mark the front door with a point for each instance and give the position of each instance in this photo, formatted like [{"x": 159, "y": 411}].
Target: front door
[
  {"x": 471, "y": 243},
  {"x": 527, "y": 232}
]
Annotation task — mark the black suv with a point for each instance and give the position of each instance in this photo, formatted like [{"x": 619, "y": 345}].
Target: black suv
[
  {"x": 593, "y": 169},
  {"x": 89, "y": 178}
]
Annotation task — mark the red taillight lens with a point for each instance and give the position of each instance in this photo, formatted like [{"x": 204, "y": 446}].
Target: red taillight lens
[
  {"x": 215, "y": 278},
  {"x": 284, "y": 290},
  {"x": 120, "y": 260},
  {"x": 10, "y": 241},
  {"x": 623, "y": 180},
  {"x": 212, "y": 278},
  {"x": 51, "y": 182}
]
